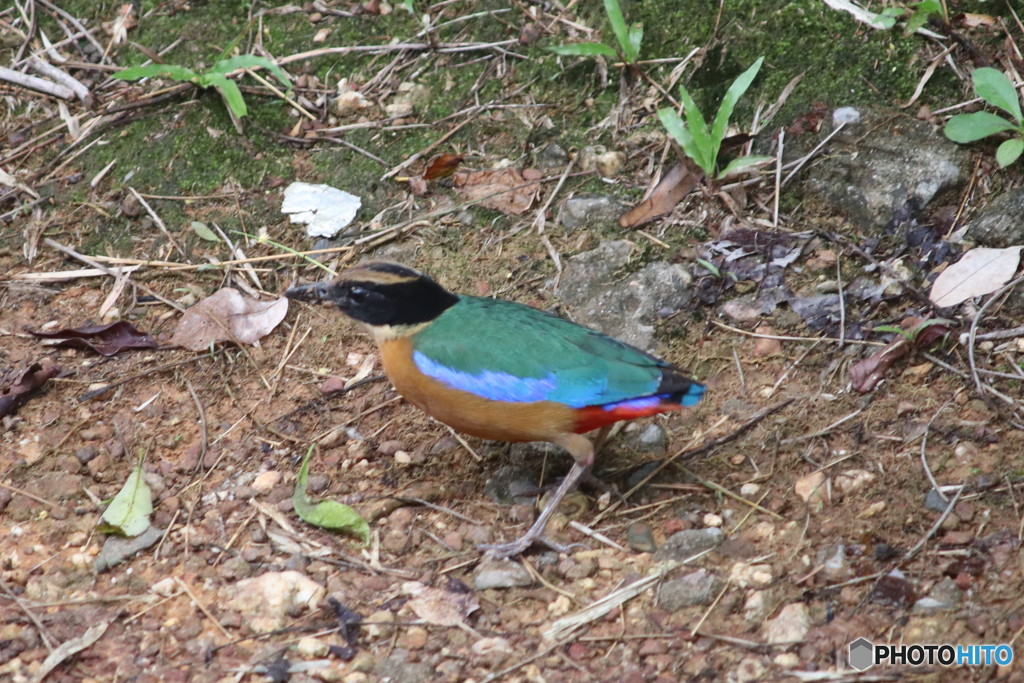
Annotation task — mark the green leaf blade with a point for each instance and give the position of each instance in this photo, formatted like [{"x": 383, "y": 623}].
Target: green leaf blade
[
  {"x": 173, "y": 71},
  {"x": 705, "y": 148},
  {"x": 326, "y": 514},
  {"x": 964, "y": 128},
  {"x": 226, "y": 66},
  {"x": 679, "y": 132},
  {"x": 1009, "y": 152},
  {"x": 619, "y": 28},
  {"x": 995, "y": 88},
  {"x": 740, "y": 164},
  {"x": 228, "y": 89},
  {"x": 636, "y": 38},
  {"x": 585, "y": 50},
  {"x": 732, "y": 97},
  {"x": 128, "y": 513}
]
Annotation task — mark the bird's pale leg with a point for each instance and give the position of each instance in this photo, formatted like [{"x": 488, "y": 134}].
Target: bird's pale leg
[{"x": 582, "y": 452}]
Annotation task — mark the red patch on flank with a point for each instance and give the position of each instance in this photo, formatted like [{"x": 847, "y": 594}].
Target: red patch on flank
[{"x": 593, "y": 417}]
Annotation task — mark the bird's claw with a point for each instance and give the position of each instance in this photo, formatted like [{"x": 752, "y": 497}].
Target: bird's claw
[{"x": 501, "y": 551}]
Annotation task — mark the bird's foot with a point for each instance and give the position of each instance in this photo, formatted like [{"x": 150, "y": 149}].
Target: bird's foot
[{"x": 501, "y": 551}]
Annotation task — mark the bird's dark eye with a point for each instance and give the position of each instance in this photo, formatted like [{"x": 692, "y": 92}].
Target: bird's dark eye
[{"x": 358, "y": 295}]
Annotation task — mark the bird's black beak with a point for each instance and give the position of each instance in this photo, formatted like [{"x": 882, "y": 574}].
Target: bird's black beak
[{"x": 314, "y": 292}]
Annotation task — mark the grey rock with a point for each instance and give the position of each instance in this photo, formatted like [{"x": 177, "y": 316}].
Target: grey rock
[
  {"x": 944, "y": 596},
  {"x": 934, "y": 501},
  {"x": 640, "y": 537},
  {"x": 551, "y": 155},
  {"x": 639, "y": 474},
  {"x": 883, "y": 169},
  {"x": 86, "y": 453},
  {"x": 591, "y": 211},
  {"x": 623, "y": 307},
  {"x": 696, "y": 588},
  {"x": 687, "y": 543},
  {"x": 117, "y": 549},
  {"x": 501, "y": 574},
  {"x": 399, "y": 669},
  {"x": 649, "y": 439},
  {"x": 512, "y": 485},
  {"x": 999, "y": 225}
]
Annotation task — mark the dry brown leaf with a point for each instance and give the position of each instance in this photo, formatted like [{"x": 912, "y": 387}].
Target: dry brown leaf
[
  {"x": 439, "y": 607},
  {"x": 866, "y": 374},
  {"x": 508, "y": 190},
  {"x": 228, "y": 315},
  {"x": 675, "y": 185}
]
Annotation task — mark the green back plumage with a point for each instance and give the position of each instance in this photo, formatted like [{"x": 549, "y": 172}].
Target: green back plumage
[{"x": 507, "y": 351}]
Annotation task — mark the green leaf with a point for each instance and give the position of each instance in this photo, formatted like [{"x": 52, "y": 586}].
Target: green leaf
[
  {"x": 995, "y": 88},
  {"x": 927, "y": 7},
  {"x": 229, "y": 91},
  {"x": 618, "y": 22},
  {"x": 887, "y": 18},
  {"x": 725, "y": 110},
  {"x": 916, "y": 21},
  {"x": 226, "y": 66},
  {"x": 204, "y": 232},
  {"x": 128, "y": 514},
  {"x": 585, "y": 50},
  {"x": 407, "y": 4},
  {"x": 705, "y": 147},
  {"x": 970, "y": 127},
  {"x": 135, "y": 73},
  {"x": 327, "y": 514},
  {"x": 636, "y": 37},
  {"x": 741, "y": 164},
  {"x": 710, "y": 267},
  {"x": 1009, "y": 152},
  {"x": 679, "y": 132}
]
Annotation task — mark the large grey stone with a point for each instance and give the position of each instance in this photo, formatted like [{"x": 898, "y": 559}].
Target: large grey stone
[
  {"x": 883, "y": 169},
  {"x": 602, "y": 296},
  {"x": 1000, "y": 224}
]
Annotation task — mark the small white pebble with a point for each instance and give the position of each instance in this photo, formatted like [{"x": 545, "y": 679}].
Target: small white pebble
[
  {"x": 750, "y": 489},
  {"x": 712, "y": 519},
  {"x": 164, "y": 587},
  {"x": 403, "y": 458}
]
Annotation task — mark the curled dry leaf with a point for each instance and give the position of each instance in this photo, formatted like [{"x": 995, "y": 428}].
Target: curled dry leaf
[
  {"x": 442, "y": 166},
  {"x": 979, "y": 271},
  {"x": 106, "y": 340},
  {"x": 440, "y": 607},
  {"x": 674, "y": 185},
  {"x": 508, "y": 190},
  {"x": 34, "y": 377},
  {"x": 918, "y": 333},
  {"x": 228, "y": 315}
]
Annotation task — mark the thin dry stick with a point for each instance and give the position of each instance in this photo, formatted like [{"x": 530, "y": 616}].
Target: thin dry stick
[
  {"x": 44, "y": 634},
  {"x": 729, "y": 494},
  {"x": 14, "y": 489},
  {"x": 156, "y": 219},
  {"x": 780, "y": 337},
  {"x": 204, "y": 444},
  {"x": 924, "y": 457},
  {"x": 96, "y": 264},
  {"x": 974, "y": 330},
  {"x": 801, "y": 162},
  {"x": 778, "y": 178},
  {"x": 202, "y": 607},
  {"x": 826, "y": 430}
]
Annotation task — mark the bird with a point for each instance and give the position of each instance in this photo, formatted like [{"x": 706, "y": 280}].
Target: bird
[{"x": 501, "y": 370}]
